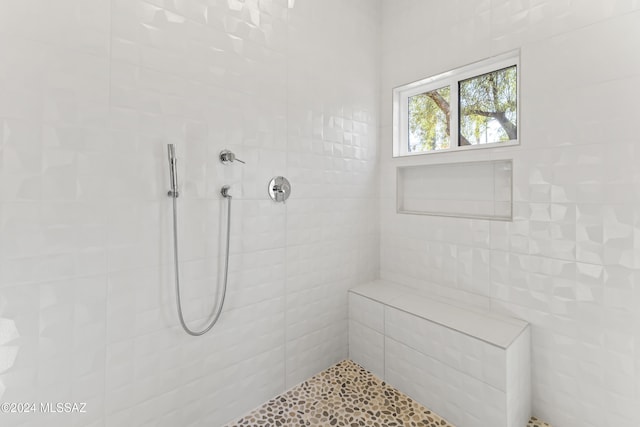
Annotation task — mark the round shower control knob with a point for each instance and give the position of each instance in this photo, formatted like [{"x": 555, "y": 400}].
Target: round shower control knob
[{"x": 279, "y": 189}]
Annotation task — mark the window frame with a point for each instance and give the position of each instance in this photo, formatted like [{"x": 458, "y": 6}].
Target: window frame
[{"x": 451, "y": 78}]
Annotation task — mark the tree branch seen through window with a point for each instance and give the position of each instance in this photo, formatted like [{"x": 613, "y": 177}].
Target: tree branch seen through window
[
  {"x": 487, "y": 110},
  {"x": 488, "y": 107}
]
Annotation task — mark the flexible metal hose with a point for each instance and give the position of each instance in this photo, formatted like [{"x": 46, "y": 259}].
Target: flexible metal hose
[{"x": 217, "y": 311}]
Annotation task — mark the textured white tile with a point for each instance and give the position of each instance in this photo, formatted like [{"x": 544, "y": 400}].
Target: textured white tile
[
  {"x": 519, "y": 380},
  {"x": 468, "y": 355},
  {"x": 574, "y": 189},
  {"x": 367, "y": 312},
  {"x": 479, "y": 189},
  {"x": 464, "y": 318},
  {"x": 90, "y": 94},
  {"x": 448, "y": 349},
  {"x": 366, "y": 347},
  {"x": 435, "y": 384},
  {"x": 308, "y": 355}
]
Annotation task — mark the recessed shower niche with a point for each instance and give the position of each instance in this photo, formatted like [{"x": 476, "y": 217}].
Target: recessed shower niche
[{"x": 480, "y": 190}]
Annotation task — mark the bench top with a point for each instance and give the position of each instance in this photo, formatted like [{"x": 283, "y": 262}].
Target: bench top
[{"x": 484, "y": 325}]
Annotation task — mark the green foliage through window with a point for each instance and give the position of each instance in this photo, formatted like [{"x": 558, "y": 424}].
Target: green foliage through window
[
  {"x": 429, "y": 120},
  {"x": 472, "y": 105},
  {"x": 488, "y": 108}
]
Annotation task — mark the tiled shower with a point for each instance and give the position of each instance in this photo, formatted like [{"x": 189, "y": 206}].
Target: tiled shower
[{"x": 91, "y": 93}]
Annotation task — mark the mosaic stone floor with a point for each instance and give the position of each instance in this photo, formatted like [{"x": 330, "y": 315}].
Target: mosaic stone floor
[{"x": 345, "y": 395}]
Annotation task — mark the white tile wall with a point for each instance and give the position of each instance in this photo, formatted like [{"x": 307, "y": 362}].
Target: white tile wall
[
  {"x": 428, "y": 380},
  {"x": 463, "y": 190},
  {"x": 466, "y": 354},
  {"x": 92, "y": 91},
  {"x": 519, "y": 380},
  {"x": 366, "y": 347},
  {"x": 423, "y": 343},
  {"x": 366, "y": 333},
  {"x": 90, "y": 94},
  {"x": 366, "y": 312},
  {"x": 568, "y": 263}
]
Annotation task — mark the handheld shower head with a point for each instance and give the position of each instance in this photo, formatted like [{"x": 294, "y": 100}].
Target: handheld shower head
[
  {"x": 171, "y": 149},
  {"x": 173, "y": 170}
]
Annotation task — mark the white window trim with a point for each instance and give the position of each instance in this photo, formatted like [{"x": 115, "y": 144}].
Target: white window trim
[{"x": 450, "y": 78}]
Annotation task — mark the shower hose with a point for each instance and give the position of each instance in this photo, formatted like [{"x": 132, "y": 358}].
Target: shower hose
[{"x": 218, "y": 310}]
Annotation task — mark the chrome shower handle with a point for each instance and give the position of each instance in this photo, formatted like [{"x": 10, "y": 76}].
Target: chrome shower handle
[
  {"x": 279, "y": 189},
  {"x": 173, "y": 171},
  {"x": 227, "y": 156}
]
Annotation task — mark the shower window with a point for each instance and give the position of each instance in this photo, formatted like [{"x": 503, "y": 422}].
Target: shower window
[
  {"x": 429, "y": 118},
  {"x": 470, "y": 107}
]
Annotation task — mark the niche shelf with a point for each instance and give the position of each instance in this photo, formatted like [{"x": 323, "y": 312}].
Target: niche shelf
[{"x": 480, "y": 190}]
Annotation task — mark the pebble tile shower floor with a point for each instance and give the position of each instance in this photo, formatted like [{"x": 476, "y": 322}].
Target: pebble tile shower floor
[{"x": 345, "y": 395}]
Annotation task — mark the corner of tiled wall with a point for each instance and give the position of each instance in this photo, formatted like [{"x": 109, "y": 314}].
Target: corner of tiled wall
[
  {"x": 92, "y": 91},
  {"x": 90, "y": 94},
  {"x": 568, "y": 262}
]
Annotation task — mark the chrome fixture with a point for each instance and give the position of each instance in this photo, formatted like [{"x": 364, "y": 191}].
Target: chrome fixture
[
  {"x": 173, "y": 172},
  {"x": 173, "y": 193},
  {"x": 227, "y": 156},
  {"x": 279, "y": 189}
]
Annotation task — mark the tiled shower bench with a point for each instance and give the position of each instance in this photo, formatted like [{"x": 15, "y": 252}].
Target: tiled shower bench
[{"x": 469, "y": 366}]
